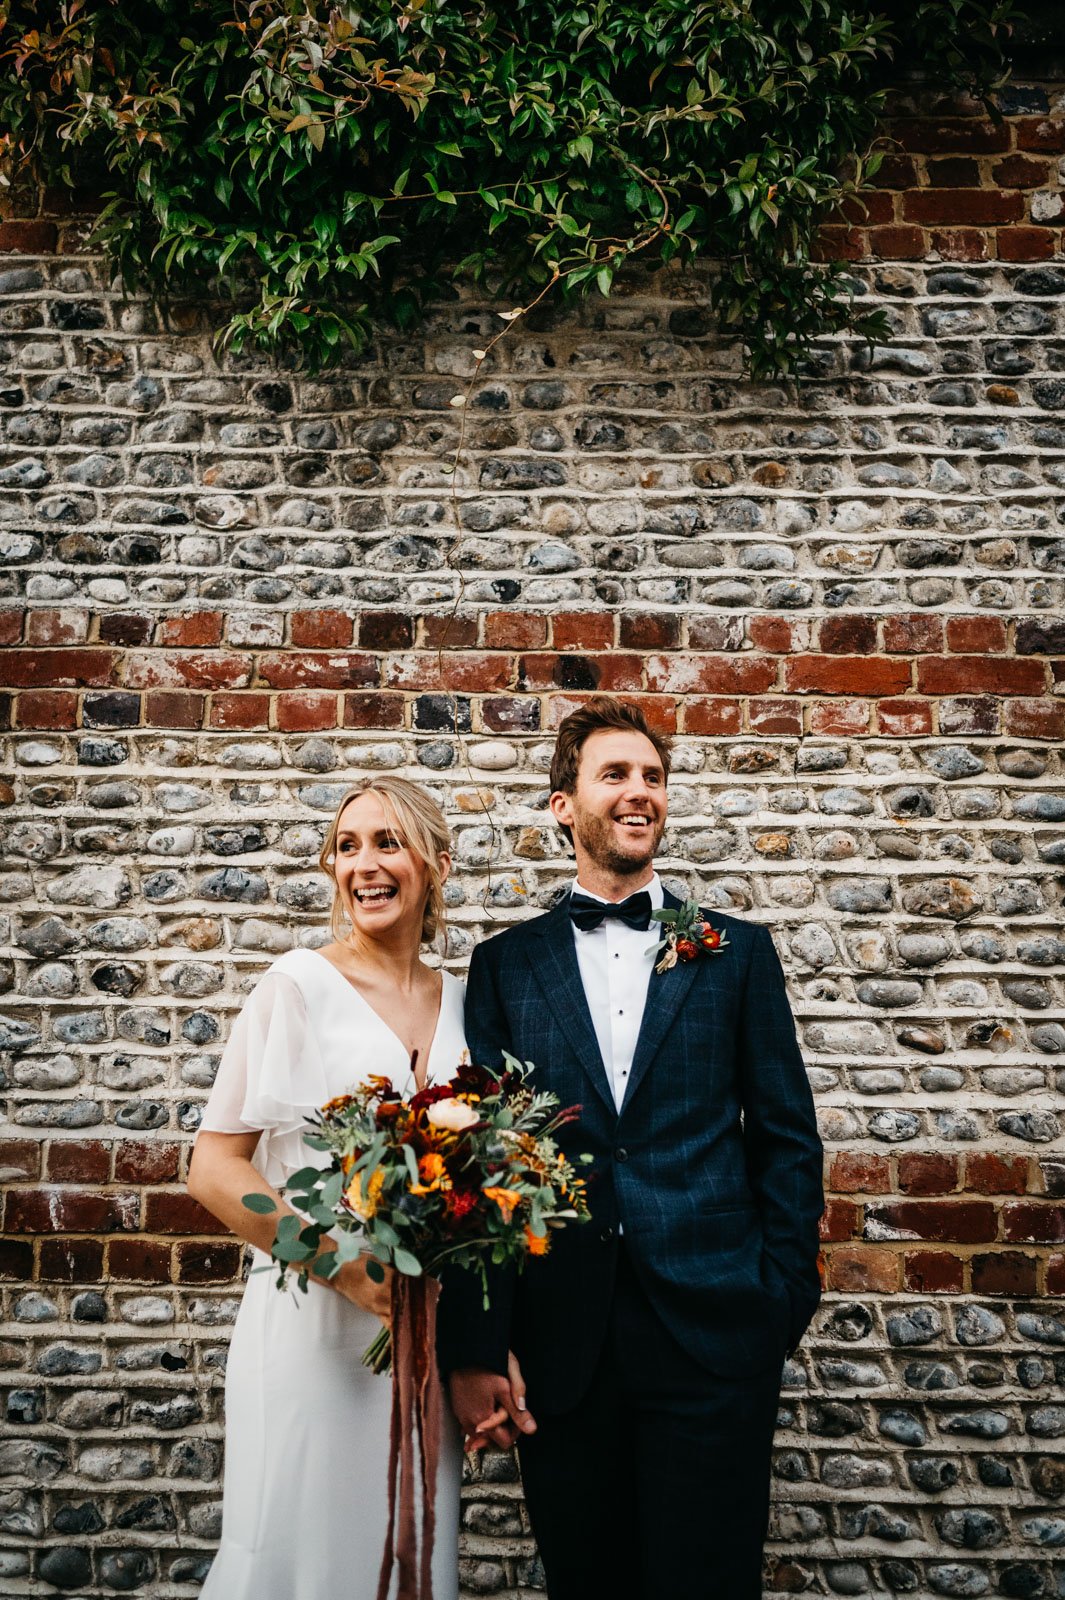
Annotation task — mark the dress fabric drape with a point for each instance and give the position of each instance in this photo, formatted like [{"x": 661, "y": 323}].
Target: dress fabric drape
[{"x": 305, "y": 1497}]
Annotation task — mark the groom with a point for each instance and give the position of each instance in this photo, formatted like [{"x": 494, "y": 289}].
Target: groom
[{"x": 650, "y": 1341}]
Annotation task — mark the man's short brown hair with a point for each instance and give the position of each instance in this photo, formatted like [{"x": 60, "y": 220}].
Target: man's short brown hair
[{"x": 599, "y": 713}]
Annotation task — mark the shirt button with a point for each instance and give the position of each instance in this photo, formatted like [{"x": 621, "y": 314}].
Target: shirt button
[
  {"x": 606, "y": 1235},
  {"x": 622, "y": 1154}
]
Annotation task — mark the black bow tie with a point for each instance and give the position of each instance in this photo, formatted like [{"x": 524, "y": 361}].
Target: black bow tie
[{"x": 586, "y": 913}]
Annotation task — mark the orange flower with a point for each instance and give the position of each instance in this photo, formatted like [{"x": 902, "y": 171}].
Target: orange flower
[
  {"x": 535, "y": 1243},
  {"x": 505, "y": 1199},
  {"x": 432, "y": 1169},
  {"x": 339, "y": 1103}
]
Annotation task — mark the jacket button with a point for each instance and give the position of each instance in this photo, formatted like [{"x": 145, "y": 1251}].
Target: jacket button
[
  {"x": 606, "y": 1235},
  {"x": 621, "y": 1154}
]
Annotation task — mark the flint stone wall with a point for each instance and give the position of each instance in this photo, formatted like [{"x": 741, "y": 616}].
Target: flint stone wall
[{"x": 228, "y": 590}]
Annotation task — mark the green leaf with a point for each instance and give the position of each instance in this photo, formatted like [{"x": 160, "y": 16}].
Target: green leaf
[
  {"x": 305, "y": 1178},
  {"x": 349, "y": 1247},
  {"x": 409, "y": 1265},
  {"x": 327, "y": 1264},
  {"x": 262, "y": 1204},
  {"x": 291, "y": 1251}
]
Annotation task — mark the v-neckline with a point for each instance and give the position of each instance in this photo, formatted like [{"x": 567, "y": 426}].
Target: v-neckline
[{"x": 386, "y": 1025}]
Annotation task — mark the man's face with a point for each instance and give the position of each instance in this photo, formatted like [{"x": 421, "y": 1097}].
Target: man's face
[{"x": 617, "y": 811}]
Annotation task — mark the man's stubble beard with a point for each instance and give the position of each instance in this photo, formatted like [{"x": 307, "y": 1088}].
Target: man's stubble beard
[{"x": 597, "y": 839}]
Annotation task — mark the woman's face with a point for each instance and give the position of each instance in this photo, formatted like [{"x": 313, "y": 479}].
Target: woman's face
[{"x": 383, "y": 885}]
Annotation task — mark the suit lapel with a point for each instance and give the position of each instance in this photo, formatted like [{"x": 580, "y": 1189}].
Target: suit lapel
[
  {"x": 665, "y": 995},
  {"x": 554, "y": 964}
]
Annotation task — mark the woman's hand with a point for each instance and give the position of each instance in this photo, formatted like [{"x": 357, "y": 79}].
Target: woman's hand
[
  {"x": 497, "y": 1404},
  {"x": 355, "y": 1284}
]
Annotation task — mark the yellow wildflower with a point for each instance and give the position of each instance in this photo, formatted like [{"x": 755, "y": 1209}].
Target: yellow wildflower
[{"x": 362, "y": 1198}]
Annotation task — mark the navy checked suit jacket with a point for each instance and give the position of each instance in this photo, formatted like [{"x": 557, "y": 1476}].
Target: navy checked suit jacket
[{"x": 713, "y": 1167}]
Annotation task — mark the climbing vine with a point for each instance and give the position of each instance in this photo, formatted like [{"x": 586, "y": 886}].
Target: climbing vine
[{"x": 322, "y": 167}]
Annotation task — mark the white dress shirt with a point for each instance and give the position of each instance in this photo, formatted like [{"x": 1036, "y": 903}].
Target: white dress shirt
[{"x": 616, "y": 963}]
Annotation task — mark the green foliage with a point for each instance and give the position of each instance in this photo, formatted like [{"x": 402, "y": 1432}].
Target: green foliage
[{"x": 328, "y": 166}]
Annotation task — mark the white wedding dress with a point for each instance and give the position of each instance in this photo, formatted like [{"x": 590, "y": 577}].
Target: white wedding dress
[{"x": 305, "y": 1500}]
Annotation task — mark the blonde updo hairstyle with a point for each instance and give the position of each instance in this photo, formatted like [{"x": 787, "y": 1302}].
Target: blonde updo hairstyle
[{"x": 418, "y": 822}]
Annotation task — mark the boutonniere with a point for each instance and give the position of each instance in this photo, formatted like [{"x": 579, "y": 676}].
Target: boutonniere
[{"x": 687, "y": 934}]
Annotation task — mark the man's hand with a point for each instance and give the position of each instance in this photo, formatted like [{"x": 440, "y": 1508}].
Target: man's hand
[{"x": 491, "y": 1408}]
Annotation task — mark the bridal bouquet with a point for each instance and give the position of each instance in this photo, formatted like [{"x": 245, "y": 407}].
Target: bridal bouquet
[
  {"x": 462, "y": 1173},
  {"x": 465, "y": 1172}
]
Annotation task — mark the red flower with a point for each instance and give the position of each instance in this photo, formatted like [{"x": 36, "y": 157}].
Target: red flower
[
  {"x": 429, "y": 1096},
  {"x": 459, "y": 1203},
  {"x": 687, "y": 933},
  {"x": 470, "y": 1079}
]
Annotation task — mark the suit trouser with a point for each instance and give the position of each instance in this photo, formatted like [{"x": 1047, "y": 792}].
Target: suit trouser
[{"x": 656, "y": 1485}]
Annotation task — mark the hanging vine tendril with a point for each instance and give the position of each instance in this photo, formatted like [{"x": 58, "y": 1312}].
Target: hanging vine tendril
[{"x": 327, "y": 166}]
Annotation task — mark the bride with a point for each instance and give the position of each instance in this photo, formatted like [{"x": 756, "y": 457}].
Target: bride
[{"x": 304, "y": 1505}]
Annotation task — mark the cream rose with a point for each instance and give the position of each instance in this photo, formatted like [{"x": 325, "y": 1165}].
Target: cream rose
[{"x": 454, "y": 1115}]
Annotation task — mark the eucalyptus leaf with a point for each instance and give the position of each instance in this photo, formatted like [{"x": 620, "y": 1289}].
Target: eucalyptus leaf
[
  {"x": 304, "y": 1178},
  {"x": 291, "y": 1250},
  {"x": 349, "y": 1247}
]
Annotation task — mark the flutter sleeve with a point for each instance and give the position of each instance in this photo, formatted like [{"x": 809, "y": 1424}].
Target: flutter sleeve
[{"x": 271, "y": 1076}]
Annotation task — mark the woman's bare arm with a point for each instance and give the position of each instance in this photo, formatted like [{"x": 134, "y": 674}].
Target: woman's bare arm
[{"x": 221, "y": 1174}]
